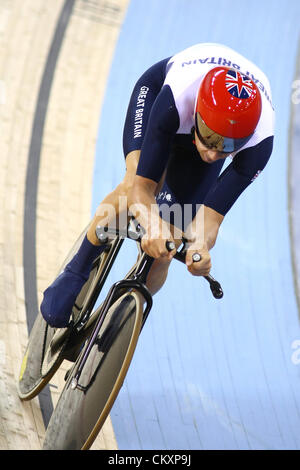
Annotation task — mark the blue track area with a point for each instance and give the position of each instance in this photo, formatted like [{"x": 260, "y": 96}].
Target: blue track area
[{"x": 214, "y": 374}]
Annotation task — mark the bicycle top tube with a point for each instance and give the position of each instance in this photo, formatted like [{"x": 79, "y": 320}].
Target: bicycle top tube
[{"x": 105, "y": 234}]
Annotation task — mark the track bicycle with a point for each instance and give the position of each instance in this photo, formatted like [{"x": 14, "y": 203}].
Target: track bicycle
[{"x": 109, "y": 333}]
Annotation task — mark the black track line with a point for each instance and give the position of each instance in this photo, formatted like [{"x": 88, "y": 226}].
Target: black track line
[{"x": 31, "y": 188}]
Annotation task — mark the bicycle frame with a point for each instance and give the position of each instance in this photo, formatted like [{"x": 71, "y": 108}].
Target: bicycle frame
[{"x": 137, "y": 281}]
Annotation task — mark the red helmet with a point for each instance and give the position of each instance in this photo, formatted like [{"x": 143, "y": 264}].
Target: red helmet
[{"x": 228, "y": 109}]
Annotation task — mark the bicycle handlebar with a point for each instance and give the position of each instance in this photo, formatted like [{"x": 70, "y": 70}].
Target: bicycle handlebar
[{"x": 104, "y": 234}]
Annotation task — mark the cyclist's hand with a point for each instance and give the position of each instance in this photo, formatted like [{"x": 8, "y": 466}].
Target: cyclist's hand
[
  {"x": 198, "y": 268},
  {"x": 154, "y": 242}
]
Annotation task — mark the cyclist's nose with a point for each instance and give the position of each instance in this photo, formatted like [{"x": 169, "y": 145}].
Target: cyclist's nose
[{"x": 213, "y": 155}]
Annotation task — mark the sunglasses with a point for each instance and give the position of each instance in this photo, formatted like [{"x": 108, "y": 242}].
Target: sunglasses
[{"x": 214, "y": 141}]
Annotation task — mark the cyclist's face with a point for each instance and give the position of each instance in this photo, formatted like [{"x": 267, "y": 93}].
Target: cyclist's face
[{"x": 208, "y": 155}]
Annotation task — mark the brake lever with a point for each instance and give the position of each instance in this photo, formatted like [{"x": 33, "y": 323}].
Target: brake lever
[{"x": 214, "y": 285}]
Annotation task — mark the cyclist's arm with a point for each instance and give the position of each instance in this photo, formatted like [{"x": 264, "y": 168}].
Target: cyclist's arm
[
  {"x": 162, "y": 126},
  {"x": 202, "y": 234},
  {"x": 204, "y": 229},
  {"x": 242, "y": 171},
  {"x": 142, "y": 200}
]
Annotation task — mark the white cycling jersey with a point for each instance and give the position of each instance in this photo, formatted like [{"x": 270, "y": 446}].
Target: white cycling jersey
[
  {"x": 160, "y": 122},
  {"x": 186, "y": 69}
]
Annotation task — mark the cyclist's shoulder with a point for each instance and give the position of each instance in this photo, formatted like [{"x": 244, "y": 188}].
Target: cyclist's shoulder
[{"x": 256, "y": 153}]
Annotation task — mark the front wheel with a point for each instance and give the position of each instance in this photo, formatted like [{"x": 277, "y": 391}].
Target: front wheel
[
  {"x": 83, "y": 408},
  {"x": 31, "y": 380}
]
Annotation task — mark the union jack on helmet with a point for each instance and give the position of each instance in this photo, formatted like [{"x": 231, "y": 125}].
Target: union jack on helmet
[{"x": 228, "y": 108}]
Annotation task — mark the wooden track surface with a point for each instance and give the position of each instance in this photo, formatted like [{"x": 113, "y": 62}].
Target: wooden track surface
[{"x": 65, "y": 175}]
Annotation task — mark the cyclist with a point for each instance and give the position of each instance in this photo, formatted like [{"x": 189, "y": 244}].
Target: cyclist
[{"x": 187, "y": 113}]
